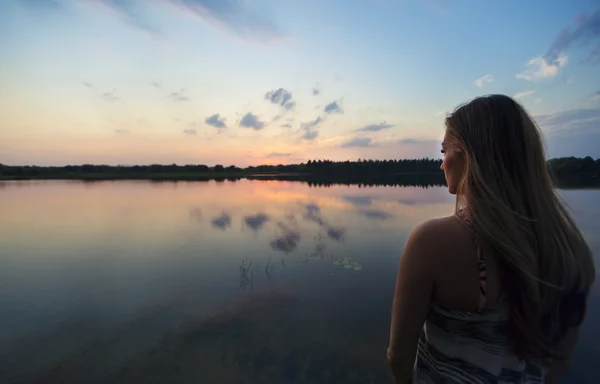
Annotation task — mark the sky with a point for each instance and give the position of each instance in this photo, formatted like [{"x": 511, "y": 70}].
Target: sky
[{"x": 250, "y": 82}]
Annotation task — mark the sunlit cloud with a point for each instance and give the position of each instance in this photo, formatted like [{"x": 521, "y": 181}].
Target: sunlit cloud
[
  {"x": 484, "y": 80},
  {"x": 539, "y": 68},
  {"x": 521, "y": 95}
]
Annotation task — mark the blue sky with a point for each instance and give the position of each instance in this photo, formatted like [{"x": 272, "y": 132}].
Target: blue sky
[{"x": 249, "y": 82}]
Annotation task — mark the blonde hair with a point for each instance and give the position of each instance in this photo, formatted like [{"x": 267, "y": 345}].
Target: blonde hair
[{"x": 546, "y": 265}]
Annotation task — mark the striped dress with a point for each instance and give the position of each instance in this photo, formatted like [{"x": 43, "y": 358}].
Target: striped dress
[{"x": 471, "y": 347}]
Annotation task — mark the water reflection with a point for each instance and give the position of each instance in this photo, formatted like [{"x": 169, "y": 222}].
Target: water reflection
[
  {"x": 358, "y": 200},
  {"x": 288, "y": 241},
  {"x": 222, "y": 221},
  {"x": 111, "y": 281},
  {"x": 255, "y": 222},
  {"x": 196, "y": 214},
  {"x": 378, "y": 215}
]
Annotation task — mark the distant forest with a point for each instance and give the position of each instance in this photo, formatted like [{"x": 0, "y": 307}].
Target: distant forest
[{"x": 566, "y": 170}]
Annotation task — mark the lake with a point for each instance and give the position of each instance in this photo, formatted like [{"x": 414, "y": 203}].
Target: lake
[{"x": 215, "y": 282}]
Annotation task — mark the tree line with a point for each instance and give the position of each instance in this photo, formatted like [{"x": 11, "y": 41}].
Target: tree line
[{"x": 318, "y": 171}]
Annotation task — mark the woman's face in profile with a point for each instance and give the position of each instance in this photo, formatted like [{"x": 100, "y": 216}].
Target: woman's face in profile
[{"x": 452, "y": 165}]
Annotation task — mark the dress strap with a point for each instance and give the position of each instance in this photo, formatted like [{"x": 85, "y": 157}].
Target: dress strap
[{"x": 462, "y": 216}]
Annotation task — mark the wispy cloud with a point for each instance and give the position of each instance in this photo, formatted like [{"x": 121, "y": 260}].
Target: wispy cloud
[
  {"x": 281, "y": 97},
  {"x": 539, "y": 68},
  {"x": 358, "y": 142},
  {"x": 410, "y": 140},
  {"x": 42, "y": 5},
  {"x": 484, "y": 80},
  {"x": 110, "y": 96},
  {"x": 574, "y": 121},
  {"x": 179, "y": 95},
  {"x": 310, "y": 129},
  {"x": 276, "y": 155},
  {"x": 594, "y": 56},
  {"x": 239, "y": 17},
  {"x": 316, "y": 90},
  {"x": 190, "y": 131},
  {"x": 121, "y": 131},
  {"x": 216, "y": 121},
  {"x": 251, "y": 121},
  {"x": 132, "y": 13},
  {"x": 286, "y": 125},
  {"x": 572, "y": 131},
  {"x": 333, "y": 107},
  {"x": 521, "y": 95},
  {"x": 242, "y": 18},
  {"x": 586, "y": 30},
  {"x": 87, "y": 84},
  {"x": 375, "y": 127}
]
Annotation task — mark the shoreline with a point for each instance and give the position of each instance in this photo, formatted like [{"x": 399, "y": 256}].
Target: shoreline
[
  {"x": 391, "y": 179},
  {"x": 208, "y": 176}
]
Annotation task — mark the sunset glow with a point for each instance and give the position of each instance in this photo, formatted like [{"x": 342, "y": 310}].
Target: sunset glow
[{"x": 262, "y": 82}]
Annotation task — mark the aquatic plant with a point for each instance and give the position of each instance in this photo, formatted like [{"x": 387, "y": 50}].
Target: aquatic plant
[
  {"x": 348, "y": 263},
  {"x": 247, "y": 272}
]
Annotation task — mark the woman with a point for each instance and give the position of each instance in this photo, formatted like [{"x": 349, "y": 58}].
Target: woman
[{"x": 497, "y": 291}]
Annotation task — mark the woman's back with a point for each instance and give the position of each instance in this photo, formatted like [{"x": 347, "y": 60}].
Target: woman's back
[{"x": 465, "y": 336}]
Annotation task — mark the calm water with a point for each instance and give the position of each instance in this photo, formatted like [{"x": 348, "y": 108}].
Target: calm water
[{"x": 231, "y": 282}]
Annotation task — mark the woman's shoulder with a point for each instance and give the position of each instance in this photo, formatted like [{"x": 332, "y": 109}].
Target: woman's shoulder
[
  {"x": 440, "y": 228},
  {"x": 442, "y": 242}
]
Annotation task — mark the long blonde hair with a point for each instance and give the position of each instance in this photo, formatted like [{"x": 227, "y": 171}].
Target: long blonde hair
[{"x": 546, "y": 265}]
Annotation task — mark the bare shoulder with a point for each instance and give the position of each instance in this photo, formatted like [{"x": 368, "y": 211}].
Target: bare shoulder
[
  {"x": 437, "y": 231},
  {"x": 434, "y": 242}
]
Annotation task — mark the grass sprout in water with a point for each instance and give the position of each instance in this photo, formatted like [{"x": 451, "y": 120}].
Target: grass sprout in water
[{"x": 247, "y": 272}]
